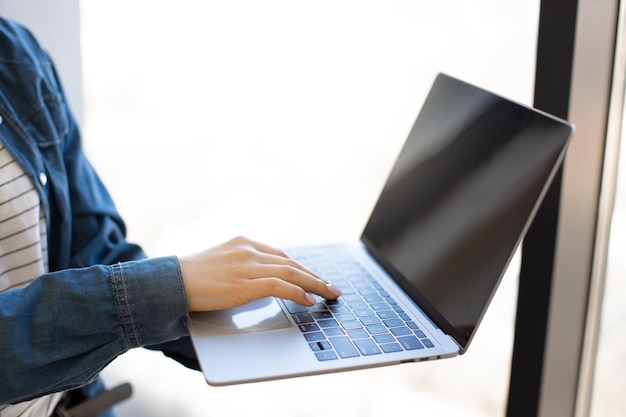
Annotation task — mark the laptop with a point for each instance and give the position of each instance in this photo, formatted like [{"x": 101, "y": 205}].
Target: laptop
[{"x": 416, "y": 284}]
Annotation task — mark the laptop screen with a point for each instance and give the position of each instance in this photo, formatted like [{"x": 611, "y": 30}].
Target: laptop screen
[{"x": 460, "y": 197}]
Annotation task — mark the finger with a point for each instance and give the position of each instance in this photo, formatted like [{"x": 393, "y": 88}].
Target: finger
[
  {"x": 276, "y": 287},
  {"x": 300, "y": 278},
  {"x": 267, "y": 254},
  {"x": 276, "y": 255},
  {"x": 284, "y": 259},
  {"x": 283, "y": 267}
]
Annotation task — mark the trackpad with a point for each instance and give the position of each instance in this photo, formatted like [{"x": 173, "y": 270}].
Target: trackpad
[{"x": 263, "y": 314}]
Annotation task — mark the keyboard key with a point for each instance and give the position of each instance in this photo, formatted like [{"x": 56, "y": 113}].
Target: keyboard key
[
  {"x": 375, "y": 298},
  {"x": 370, "y": 320},
  {"x": 379, "y": 306},
  {"x": 339, "y": 308},
  {"x": 345, "y": 288},
  {"x": 322, "y": 315},
  {"x": 368, "y": 292},
  {"x": 326, "y": 355},
  {"x": 302, "y": 318},
  {"x": 315, "y": 347},
  {"x": 358, "y": 305},
  {"x": 294, "y": 307},
  {"x": 405, "y": 317},
  {"x": 391, "y": 347},
  {"x": 345, "y": 316},
  {"x": 324, "y": 345},
  {"x": 400, "y": 331},
  {"x": 334, "y": 331},
  {"x": 393, "y": 322},
  {"x": 419, "y": 334},
  {"x": 363, "y": 312},
  {"x": 336, "y": 302},
  {"x": 410, "y": 343},
  {"x": 384, "y": 338},
  {"x": 352, "y": 324},
  {"x": 308, "y": 327},
  {"x": 321, "y": 345},
  {"x": 314, "y": 337},
  {"x": 391, "y": 301},
  {"x": 358, "y": 334},
  {"x": 387, "y": 314},
  {"x": 351, "y": 297},
  {"x": 327, "y": 323},
  {"x": 367, "y": 347},
  {"x": 377, "y": 329},
  {"x": 361, "y": 284},
  {"x": 428, "y": 343},
  {"x": 344, "y": 347},
  {"x": 319, "y": 306}
]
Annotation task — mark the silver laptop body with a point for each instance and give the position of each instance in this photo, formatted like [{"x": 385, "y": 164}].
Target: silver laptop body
[{"x": 455, "y": 207}]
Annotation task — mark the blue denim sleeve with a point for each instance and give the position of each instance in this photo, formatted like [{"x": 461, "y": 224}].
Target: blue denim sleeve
[
  {"x": 102, "y": 298},
  {"x": 63, "y": 329}
]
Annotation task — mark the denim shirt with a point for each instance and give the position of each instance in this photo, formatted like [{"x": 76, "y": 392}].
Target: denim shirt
[{"x": 102, "y": 296}]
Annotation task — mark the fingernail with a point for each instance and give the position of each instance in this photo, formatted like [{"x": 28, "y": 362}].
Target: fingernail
[
  {"x": 311, "y": 299},
  {"x": 335, "y": 291}
]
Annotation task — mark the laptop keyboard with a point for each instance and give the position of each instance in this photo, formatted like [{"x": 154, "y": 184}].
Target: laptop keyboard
[{"x": 364, "y": 321}]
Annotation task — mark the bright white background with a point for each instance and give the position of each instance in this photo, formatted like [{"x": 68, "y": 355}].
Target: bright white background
[{"x": 279, "y": 120}]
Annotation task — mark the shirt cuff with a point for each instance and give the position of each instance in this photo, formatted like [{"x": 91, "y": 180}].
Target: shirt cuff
[{"x": 151, "y": 300}]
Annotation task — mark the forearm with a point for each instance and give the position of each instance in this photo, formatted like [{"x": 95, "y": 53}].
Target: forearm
[{"x": 63, "y": 329}]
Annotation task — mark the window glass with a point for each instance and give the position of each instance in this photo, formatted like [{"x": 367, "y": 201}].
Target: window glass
[
  {"x": 279, "y": 120},
  {"x": 609, "y": 385}
]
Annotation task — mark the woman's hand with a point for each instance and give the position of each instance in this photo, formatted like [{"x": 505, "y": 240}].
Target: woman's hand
[{"x": 241, "y": 270}]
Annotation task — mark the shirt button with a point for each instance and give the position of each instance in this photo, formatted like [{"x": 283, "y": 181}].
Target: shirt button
[{"x": 43, "y": 179}]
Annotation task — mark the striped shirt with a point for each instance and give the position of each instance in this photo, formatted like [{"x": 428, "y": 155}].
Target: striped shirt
[
  {"x": 23, "y": 247},
  {"x": 23, "y": 253}
]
